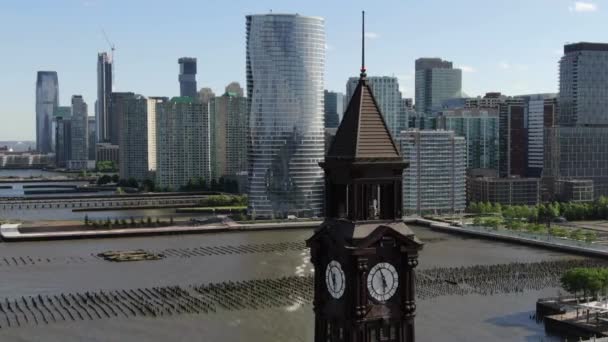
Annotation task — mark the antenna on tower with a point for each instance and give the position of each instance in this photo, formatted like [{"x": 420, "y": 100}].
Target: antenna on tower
[{"x": 363, "y": 74}]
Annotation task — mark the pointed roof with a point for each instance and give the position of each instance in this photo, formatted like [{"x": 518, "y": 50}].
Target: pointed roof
[{"x": 363, "y": 133}]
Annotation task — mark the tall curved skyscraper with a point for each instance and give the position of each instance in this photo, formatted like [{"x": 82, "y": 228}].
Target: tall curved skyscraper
[
  {"x": 47, "y": 100},
  {"x": 285, "y": 72}
]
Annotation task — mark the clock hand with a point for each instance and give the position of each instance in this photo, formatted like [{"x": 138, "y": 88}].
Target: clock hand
[
  {"x": 333, "y": 281},
  {"x": 383, "y": 281}
]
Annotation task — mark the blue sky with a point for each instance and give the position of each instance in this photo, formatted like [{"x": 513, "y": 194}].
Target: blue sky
[{"x": 511, "y": 46}]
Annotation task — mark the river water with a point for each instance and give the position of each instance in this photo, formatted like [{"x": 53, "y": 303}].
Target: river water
[{"x": 70, "y": 266}]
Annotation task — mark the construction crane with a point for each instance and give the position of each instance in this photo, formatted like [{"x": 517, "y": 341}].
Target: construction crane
[{"x": 112, "y": 47}]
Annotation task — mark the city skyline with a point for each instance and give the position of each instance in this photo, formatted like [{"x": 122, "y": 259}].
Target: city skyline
[{"x": 143, "y": 45}]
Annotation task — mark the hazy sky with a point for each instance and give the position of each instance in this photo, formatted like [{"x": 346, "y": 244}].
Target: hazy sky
[{"x": 511, "y": 46}]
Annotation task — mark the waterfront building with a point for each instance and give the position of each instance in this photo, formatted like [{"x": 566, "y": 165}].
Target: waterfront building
[
  {"x": 187, "y": 77},
  {"x": 334, "y": 108},
  {"x": 153, "y": 101},
  {"x": 107, "y": 152},
  {"x": 63, "y": 141},
  {"x": 435, "y": 81},
  {"x": 479, "y": 127},
  {"x": 576, "y": 148},
  {"x": 522, "y": 123},
  {"x": 182, "y": 143},
  {"x": 115, "y": 113},
  {"x": 228, "y": 117},
  {"x": 104, "y": 89},
  {"x": 79, "y": 133},
  {"x": 47, "y": 100},
  {"x": 285, "y": 94},
  {"x": 133, "y": 141},
  {"x": 540, "y": 114},
  {"x": 583, "y": 85},
  {"x": 63, "y": 112},
  {"x": 507, "y": 191},
  {"x": 92, "y": 134},
  {"x": 434, "y": 182},
  {"x": 387, "y": 94},
  {"x": 575, "y": 190},
  {"x": 577, "y": 153},
  {"x": 512, "y": 138}
]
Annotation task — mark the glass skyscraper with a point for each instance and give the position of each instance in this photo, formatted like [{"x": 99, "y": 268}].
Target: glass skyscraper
[
  {"x": 480, "y": 129},
  {"x": 47, "y": 100},
  {"x": 576, "y": 148},
  {"x": 285, "y": 64},
  {"x": 436, "y": 81},
  {"x": 583, "y": 80}
]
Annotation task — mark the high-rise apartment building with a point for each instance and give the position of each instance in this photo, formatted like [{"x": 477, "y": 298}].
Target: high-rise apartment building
[
  {"x": 153, "y": 102},
  {"x": 285, "y": 94},
  {"x": 60, "y": 112},
  {"x": 480, "y": 129},
  {"x": 540, "y": 112},
  {"x": 79, "y": 133},
  {"x": 576, "y": 148},
  {"x": 187, "y": 76},
  {"x": 133, "y": 141},
  {"x": 92, "y": 133},
  {"x": 334, "y": 108},
  {"x": 436, "y": 81},
  {"x": 116, "y": 110},
  {"x": 513, "y": 138},
  {"x": 583, "y": 80},
  {"x": 104, "y": 90},
  {"x": 386, "y": 92},
  {"x": 228, "y": 119},
  {"x": 182, "y": 143},
  {"x": 47, "y": 100},
  {"x": 434, "y": 181},
  {"x": 63, "y": 139}
]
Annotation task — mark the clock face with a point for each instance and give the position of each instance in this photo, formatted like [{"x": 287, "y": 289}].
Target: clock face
[
  {"x": 382, "y": 281},
  {"x": 335, "y": 279}
]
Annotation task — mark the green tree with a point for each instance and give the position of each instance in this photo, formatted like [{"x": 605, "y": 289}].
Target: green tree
[{"x": 105, "y": 179}]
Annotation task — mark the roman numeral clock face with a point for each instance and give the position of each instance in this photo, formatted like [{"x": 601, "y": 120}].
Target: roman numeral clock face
[
  {"x": 382, "y": 281},
  {"x": 334, "y": 279}
]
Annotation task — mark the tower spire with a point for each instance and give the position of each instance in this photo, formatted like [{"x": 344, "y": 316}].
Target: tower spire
[{"x": 363, "y": 74}]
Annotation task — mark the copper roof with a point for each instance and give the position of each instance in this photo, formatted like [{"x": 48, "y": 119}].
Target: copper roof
[{"x": 363, "y": 133}]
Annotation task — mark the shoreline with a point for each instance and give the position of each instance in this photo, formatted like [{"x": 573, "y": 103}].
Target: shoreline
[{"x": 11, "y": 232}]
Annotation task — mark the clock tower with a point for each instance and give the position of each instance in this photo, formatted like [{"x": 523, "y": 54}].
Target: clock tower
[{"x": 363, "y": 253}]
